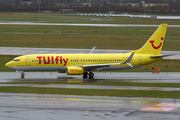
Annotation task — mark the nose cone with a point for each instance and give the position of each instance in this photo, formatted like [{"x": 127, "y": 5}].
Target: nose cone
[{"x": 9, "y": 64}]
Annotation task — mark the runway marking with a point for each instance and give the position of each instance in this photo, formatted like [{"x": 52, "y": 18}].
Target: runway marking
[
  {"x": 92, "y": 100},
  {"x": 166, "y": 109},
  {"x": 175, "y": 75},
  {"x": 161, "y": 107},
  {"x": 73, "y": 99},
  {"x": 167, "y": 105}
]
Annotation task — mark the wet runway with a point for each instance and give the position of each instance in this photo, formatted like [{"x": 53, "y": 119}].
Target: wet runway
[
  {"x": 143, "y": 77},
  {"x": 94, "y": 87},
  {"x": 53, "y": 78},
  {"x": 25, "y": 51},
  {"x": 66, "y": 107}
]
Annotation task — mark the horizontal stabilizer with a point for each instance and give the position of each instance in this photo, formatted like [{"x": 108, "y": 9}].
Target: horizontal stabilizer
[{"x": 158, "y": 56}]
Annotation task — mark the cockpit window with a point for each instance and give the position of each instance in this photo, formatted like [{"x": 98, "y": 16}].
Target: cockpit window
[{"x": 16, "y": 60}]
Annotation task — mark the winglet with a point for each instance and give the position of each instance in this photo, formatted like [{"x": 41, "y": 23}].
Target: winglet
[
  {"x": 92, "y": 50},
  {"x": 129, "y": 60}
]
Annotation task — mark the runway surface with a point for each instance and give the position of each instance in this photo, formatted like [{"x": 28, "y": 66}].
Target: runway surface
[
  {"x": 71, "y": 24},
  {"x": 66, "y": 107},
  {"x": 109, "y": 87},
  {"x": 143, "y": 77},
  {"x": 25, "y": 51}
]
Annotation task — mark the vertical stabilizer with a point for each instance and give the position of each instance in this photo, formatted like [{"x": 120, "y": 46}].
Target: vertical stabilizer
[{"x": 155, "y": 42}]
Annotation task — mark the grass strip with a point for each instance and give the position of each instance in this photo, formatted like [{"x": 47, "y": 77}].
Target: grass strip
[
  {"x": 92, "y": 92},
  {"x": 62, "y": 18},
  {"x": 83, "y": 37},
  {"x": 177, "y": 85}
]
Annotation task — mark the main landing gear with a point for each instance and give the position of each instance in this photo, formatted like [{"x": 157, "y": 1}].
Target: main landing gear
[
  {"x": 85, "y": 75},
  {"x": 22, "y": 75}
]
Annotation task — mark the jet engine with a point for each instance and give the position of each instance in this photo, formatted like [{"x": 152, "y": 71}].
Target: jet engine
[{"x": 75, "y": 70}]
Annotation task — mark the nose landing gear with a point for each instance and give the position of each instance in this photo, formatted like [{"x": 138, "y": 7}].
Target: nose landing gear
[{"x": 22, "y": 75}]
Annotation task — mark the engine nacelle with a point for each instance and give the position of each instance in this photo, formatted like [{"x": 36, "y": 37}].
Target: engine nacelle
[{"x": 75, "y": 70}]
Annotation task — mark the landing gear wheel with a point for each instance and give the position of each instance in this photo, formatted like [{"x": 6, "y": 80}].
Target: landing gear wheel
[
  {"x": 22, "y": 75},
  {"x": 85, "y": 75},
  {"x": 91, "y": 75}
]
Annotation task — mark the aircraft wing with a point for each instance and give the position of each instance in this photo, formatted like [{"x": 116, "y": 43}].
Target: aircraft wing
[{"x": 101, "y": 66}]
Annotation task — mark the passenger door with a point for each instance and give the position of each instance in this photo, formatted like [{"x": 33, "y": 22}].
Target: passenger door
[{"x": 28, "y": 61}]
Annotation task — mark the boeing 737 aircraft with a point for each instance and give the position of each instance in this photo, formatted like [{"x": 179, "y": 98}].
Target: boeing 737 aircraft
[{"x": 85, "y": 64}]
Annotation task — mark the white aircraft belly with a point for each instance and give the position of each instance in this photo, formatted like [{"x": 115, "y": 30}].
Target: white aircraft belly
[{"x": 39, "y": 68}]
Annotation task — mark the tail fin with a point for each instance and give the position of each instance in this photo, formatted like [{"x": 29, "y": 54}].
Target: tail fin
[{"x": 155, "y": 42}]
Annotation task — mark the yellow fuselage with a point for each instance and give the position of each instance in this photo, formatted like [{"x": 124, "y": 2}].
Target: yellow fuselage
[{"x": 59, "y": 62}]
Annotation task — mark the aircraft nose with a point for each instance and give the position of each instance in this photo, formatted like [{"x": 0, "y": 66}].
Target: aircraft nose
[{"x": 8, "y": 64}]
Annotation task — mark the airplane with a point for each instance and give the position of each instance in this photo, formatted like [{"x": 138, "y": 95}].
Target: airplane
[{"x": 85, "y": 64}]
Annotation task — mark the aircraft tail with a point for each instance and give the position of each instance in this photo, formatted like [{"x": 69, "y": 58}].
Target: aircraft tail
[{"x": 155, "y": 42}]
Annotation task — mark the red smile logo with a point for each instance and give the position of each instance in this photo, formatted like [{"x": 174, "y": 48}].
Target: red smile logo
[{"x": 152, "y": 43}]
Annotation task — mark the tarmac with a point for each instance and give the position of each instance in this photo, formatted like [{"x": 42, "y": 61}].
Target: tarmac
[
  {"x": 109, "y": 87},
  {"x": 53, "y": 77},
  {"x": 67, "y": 107},
  {"x": 15, "y": 106}
]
